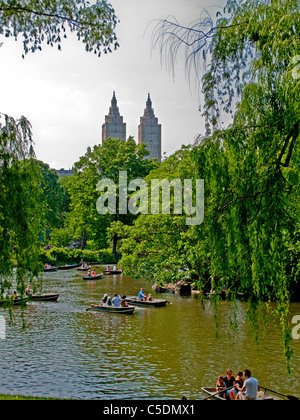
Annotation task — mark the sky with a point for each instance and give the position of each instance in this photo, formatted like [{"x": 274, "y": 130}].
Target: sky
[{"x": 66, "y": 94}]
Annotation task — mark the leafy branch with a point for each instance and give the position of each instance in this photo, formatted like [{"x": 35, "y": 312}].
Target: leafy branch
[{"x": 36, "y": 21}]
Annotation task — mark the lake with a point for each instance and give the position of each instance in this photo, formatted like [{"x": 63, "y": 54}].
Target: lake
[{"x": 156, "y": 353}]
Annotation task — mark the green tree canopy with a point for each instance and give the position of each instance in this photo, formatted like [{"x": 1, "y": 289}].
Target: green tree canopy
[
  {"x": 103, "y": 162},
  {"x": 54, "y": 197}
]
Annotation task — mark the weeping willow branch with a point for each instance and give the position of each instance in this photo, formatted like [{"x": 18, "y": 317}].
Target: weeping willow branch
[{"x": 170, "y": 36}]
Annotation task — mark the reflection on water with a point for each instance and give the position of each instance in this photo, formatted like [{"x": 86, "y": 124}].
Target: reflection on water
[{"x": 65, "y": 351}]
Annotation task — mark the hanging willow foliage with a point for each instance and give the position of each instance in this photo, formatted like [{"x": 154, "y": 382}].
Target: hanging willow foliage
[
  {"x": 19, "y": 204},
  {"x": 249, "y": 239}
]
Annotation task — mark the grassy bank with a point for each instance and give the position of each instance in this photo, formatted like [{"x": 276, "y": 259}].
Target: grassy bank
[{"x": 22, "y": 397}]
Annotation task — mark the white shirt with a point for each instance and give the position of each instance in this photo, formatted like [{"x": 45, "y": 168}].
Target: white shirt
[{"x": 251, "y": 385}]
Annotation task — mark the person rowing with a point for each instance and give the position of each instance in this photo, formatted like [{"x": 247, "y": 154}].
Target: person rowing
[
  {"x": 142, "y": 296},
  {"x": 249, "y": 389}
]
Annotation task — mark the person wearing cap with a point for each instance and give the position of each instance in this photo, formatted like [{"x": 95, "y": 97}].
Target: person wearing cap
[{"x": 149, "y": 298}]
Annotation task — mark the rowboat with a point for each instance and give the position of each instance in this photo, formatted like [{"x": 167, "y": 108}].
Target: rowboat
[
  {"x": 44, "y": 297},
  {"x": 113, "y": 272},
  {"x": 68, "y": 267},
  {"x": 50, "y": 269},
  {"x": 113, "y": 309},
  {"x": 97, "y": 277},
  {"x": 133, "y": 300},
  {"x": 15, "y": 302},
  {"x": 263, "y": 394},
  {"x": 84, "y": 268}
]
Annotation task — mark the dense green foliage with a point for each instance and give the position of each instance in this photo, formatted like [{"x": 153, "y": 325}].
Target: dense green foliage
[
  {"x": 60, "y": 256},
  {"x": 54, "y": 198},
  {"x": 102, "y": 162}
]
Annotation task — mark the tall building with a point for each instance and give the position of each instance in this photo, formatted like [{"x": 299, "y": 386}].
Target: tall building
[
  {"x": 150, "y": 131},
  {"x": 114, "y": 127}
]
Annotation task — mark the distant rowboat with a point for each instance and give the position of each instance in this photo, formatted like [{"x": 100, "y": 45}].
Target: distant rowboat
[
  {"x": 134, "y": 300},
  {"x": 84, "y": 268},
  {"x": 113, "y": 309},
  {"x": 15, "y": 302},
  {"x": 44, "y": 297},
  {"x": 97, "y": 277},
  {"x": 68, "y": 267},
  {"x": 113, "y": 272},
  {"x": 50, "y": 269}
]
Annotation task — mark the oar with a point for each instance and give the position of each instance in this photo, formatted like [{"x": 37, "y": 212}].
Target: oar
[
  {"x": 92, "y": 307},
  {"x": 289, "y": 397},
  {"x": 219, "y": 392}
]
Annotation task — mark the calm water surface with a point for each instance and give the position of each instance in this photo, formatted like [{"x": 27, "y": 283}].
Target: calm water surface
[{"x": 65, "y": 351}]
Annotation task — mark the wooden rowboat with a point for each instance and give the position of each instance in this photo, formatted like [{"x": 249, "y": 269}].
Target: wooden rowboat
[
  {"x": 133, "y": 300},
  {"x": 97, "y": 277},
  {"x": 44, "y": 297},
  {"x": 15, "y": 302},
  {"x": 113, "y": 272},
  {"x": 113, "y": 309},
  {"x": 50, "y": 269},
  {"x": 84, "y": 268},
  {"x": 68, "y": 267},
  {"x": 261, "y": 395}
]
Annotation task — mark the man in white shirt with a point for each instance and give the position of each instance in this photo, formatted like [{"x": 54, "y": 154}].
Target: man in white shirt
[{"x": 249, "y": 389}]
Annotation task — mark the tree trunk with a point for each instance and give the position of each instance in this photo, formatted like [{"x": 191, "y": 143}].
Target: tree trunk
[
  {"x": 115, "y": 240},
  {"x": 83, "y": 240}
]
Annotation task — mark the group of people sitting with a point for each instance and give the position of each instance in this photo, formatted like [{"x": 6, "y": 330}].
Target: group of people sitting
[
  {"x": 116, "y": 301},
  {"x": 114, "y": 268},
  {"x": 238, "y": 388},
  {"x": 92, "y": 273}
]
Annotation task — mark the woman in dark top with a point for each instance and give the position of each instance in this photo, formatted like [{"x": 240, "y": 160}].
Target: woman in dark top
[{"x": 229, "y": 381}]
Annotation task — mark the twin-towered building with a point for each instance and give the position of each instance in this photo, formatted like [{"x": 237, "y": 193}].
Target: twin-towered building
[{"x": 149, "y": 131}]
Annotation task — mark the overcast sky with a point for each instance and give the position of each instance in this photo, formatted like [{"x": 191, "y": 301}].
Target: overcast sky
[{"x": 66, "y": 94}]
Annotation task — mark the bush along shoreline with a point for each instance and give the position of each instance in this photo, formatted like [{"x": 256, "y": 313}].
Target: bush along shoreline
[{"x": 60, "y": 256}]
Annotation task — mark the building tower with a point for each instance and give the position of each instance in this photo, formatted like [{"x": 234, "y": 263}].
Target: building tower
[
  {"x": 114, "y": 127},
  {"x": 150, "y": 131}
]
